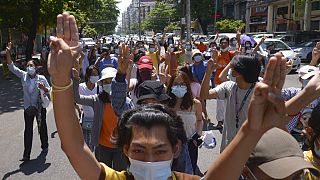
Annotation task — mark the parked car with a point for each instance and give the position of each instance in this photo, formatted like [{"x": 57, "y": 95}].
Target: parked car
[
  {"x": 259, "y": 36},
  {"x": 87, "y": 42},
  {"x": 279, "y": 46},
  {"x": 304, "y": 50}
]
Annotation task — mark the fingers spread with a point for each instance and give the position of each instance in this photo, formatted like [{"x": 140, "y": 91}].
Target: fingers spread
[
  {"x": 73, "y": 29},
  {"x": 66, "y": 27},
  {"x": 59, "y": 26}
]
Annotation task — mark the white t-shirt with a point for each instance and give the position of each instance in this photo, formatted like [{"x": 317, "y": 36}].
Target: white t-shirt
[
  {"x": 227, "y": 91},
  {"x": 83, "y": 90},
  {"x": 189, "y": 122},
  {"x": 133, "y": 97},
  {"x": 195, "y": 88}
]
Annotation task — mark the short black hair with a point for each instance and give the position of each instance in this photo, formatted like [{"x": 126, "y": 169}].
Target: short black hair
[
  {"x": 248, "y": 66},
  {"x": 149, "y": 116},
  {"x": 314, "y": 120},
  {"x": 224, "y": 39}
]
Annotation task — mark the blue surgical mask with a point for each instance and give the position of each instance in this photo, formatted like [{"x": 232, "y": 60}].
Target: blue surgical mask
[
  {"x": 116, "y": 51},
  {"x": 31, "y": 70},
  {"x": 188, "y": 47},
  {"x": 152, "y": 49},
  {"x": 94, "y": 79},
  {"x": 202, "y": 40},
  {"x": 179, "y": 91},
  {"x": 160, "y": 170},
  {"x": 197, "y": 58}
]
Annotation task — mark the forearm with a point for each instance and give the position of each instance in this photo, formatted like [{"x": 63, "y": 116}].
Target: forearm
[
  {"x": 199, "y": 126},
  {"x": 299, "y": 101},
  {"x": 8, "y": 55},
  {"x": 204, "y": 92},
  {"x": 314, "y": 61},
  {"x": 223, "y": 76},
  {"x": 70, "y": 133},
  {"x": 235, "y": 155}
]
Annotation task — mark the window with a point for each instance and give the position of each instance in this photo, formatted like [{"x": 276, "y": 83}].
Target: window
[
  {"x": 282, "y": 10},
  {"x": 261, "y": 9},
  {"x": 315, "y": 25},
  {"x": 315, "y": 6}
]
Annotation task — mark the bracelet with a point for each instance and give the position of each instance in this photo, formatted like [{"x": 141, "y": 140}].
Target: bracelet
[{"x": 55, "y": 88}]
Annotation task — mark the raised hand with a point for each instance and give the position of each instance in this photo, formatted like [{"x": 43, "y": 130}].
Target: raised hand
[
  {"x": 124, "y": 59},
  {"x": 214, "y": 54},
  {"x": 9, "y": 46},
  {"x": 65, "y": 47},
  {"x": 316, "y": 51},
  {"x": 211, "y": 65},
  {"x": 267, "y": 108}
]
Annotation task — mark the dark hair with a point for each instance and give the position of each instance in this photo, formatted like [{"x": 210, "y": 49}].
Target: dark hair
[
  {"x": 224, "y": 38},
  {"x": 187, "y": 70},
  {"x": 248, "y": 66},
  {"x": 89, "y": 72},
  {"x": 187, "y": 100},
  {"x": 314, "y": 120},
  {"x": 149, "y": 116},
  {"x": 214, "y": 43}
]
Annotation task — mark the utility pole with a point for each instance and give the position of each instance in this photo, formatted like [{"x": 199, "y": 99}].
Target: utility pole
[
  {"x": 215, "y": 16},
  {"x": 188, "y": 20},
  {"x": 139, "y": 20}
]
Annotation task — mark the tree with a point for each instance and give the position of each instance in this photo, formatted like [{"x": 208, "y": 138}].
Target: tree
[
  {"x": 203, "y": 10},
  {"x": 230, "y": 25},
  {"x": 35, "y": 11},
  {"x": 160, "y": 16}
]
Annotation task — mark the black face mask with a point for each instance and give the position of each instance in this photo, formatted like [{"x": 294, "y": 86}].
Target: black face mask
[{"x": 104, "y": 97}]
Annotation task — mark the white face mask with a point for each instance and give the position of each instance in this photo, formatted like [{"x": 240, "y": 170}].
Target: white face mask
[
  {"x": 248, "y": 51},
  {"x": 172, "y": 49},
  {"x": 31, "y": 70},
  {"x": 160, "y": 170},
  {"x": 231, "y": 77},
  {"x": 197, "y": 58},
  {"x": 94, "y": 79},
  {"x": 179, "y": 91},
  {"x": 152, "y": 50},
  {"x": 107, "y": 88},
  {"x": 224, "y": 50}
]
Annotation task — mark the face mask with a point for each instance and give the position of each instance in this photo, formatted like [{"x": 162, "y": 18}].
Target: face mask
[
  {"x": 94, "y": 79},
  {"x": 248, "y": 51},
  {"x": 224, "y": 50},
  {"x": 231, "y": 76},
  {"x": 141, "y": 49},
  {"x": 160, "y": 170},
  {"x": 170, "y": 41},
  {"x": 172, "y": 49},
  {"x": 179, "y": 91},
  {"x": 31, "y": 70},
  {"x": 305, "y": 82},
  {"x": 202, "y": 40},
  {"x": 107, "y": 88},
  {"x": 233, "y": 43},
  {"x": 197, "y": 58},
  {"x": 116, "y": 51},
  {"x": 247, "y": 45},
  {"x": 152, "y": 50},
  {"x": 188, "y": 47}
]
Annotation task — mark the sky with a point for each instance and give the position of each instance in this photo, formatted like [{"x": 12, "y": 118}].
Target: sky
[{"x": 122, "y": 5}]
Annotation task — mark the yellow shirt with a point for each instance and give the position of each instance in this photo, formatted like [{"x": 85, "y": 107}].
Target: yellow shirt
[
  {"x": 154, "y": 58},
  {"x": 307, "y": 174}
]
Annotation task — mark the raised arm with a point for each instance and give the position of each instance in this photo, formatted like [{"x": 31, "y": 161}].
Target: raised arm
[
  {"x": 266, "y": 110},
  {"x": 259, "y": 44},
  {"x": 64, "y": 51},
  {"x": 223, "y": 76},
  {"x": 18, "y": 72},
  {"x": 205, "y": 93}
]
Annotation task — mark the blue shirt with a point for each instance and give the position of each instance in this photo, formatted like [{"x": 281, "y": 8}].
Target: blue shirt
[
  {"x": 29, "y": 98},
  {"x": 198, "y": 71},
  {"x": 104, "y": 63}
]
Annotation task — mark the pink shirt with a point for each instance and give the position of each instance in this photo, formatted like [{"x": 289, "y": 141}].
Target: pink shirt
[{"x": 195, "y": 88}]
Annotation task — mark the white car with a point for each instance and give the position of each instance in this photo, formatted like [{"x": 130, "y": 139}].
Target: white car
[
  {"x": 304, "y": 50},
  {"x": 87, "y": 42},
  {"x": 279, "y": 46}
]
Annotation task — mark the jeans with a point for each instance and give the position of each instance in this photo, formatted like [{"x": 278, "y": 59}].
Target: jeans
[
  {"x": 193, "y": 153},
  {"x": 28, "y": 132},
  {"x": 112, "y": 157}
]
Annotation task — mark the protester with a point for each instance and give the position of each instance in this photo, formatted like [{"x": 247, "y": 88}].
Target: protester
[
  {"x": 224, "y": 58},
  {"x": 172, "y": 57},
  {"x": 5, "y": 70},
  {"x": 154, "y": 54},
  {"x": 195, "y": 86},
  {"x": 168, "y": 42},
  {"x": 35, "y": 88},
  {"x": 190, "y": 111},
  {"x": 89, "y": 87},
  {"x": 236, "y": 94},
  {"x": 201, "y": 46},
  {"x": 149, "y": 135},
  {"x": 187, "y": 57},
  {"x": 105, "y": 60},
  {"x": 315, "y": 55}
]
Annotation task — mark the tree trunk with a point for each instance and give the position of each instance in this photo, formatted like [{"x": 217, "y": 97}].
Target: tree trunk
[
  {"x": 204, "y": 26},
  {"x": 35, "y": 9}
]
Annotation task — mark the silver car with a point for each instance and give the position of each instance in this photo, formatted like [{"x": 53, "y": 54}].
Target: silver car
[{"x": 304, "y": 50}]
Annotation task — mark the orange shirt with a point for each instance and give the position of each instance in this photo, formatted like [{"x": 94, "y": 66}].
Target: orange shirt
[
  {"x": 109, "y": 122},
  {"x": 201, "y": 46},
  {"x": 223, "y": 59},
  {"x": 173, "y": 64}
]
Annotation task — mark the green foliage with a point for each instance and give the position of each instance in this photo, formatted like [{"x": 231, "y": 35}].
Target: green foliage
[
  {"x": 89, "y": 31},
  {"x": 203, "y": 10},
  {"x": 230, "y": 25},
  {"x": 173, "y": 26},
  {"x": 159, "y": 17}
]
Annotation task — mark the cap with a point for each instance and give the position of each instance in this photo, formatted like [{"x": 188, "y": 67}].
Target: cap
[
  {"x": 152, "y": 90},
  {"x": 195, "y": 51},
  {"x": 307, "y": 110},
  {"x": 106, "y": 73},
  {"x": 145, "y": 62},
  {"x": 307, "y": 71},
  {"x": 279, "y": 155}
]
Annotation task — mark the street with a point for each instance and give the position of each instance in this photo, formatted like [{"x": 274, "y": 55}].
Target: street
[{"x": 55, "y": 164}]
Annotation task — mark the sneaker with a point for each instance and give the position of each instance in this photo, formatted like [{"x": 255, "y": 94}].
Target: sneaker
[
  {"x": 24, "y": 159},
  {"x": 219, "y": 125}
]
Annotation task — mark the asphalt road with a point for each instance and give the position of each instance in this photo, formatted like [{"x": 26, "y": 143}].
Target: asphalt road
[{"x": 55, "y": 164}]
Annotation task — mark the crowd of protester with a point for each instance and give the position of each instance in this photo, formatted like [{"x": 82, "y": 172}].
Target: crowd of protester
[{"x": 143, "y": 108}]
